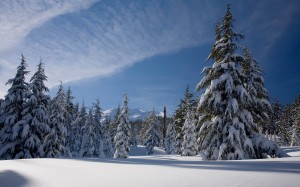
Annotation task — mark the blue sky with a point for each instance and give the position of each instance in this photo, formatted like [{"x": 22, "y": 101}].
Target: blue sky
[{"x": 151, "y": 49}]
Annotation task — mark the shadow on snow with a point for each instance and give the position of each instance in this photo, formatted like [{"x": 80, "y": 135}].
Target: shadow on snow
[
  {"x": 245, "y": 165},
  {"x": 12, "y": 179}
]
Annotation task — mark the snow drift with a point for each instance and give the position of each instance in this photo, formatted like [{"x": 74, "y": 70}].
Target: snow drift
[{"x": 155, "y": 170}]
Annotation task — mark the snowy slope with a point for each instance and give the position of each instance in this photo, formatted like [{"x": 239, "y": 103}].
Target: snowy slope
[
  {"x": 156, "y": 170},
  {"x": 134, "y": 114}
]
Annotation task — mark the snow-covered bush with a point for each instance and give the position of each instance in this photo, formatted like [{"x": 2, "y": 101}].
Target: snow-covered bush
[{"x": 264, "y": 147}]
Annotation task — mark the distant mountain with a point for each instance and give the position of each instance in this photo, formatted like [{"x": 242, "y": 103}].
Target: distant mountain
[{"x": 134, "y": 114}]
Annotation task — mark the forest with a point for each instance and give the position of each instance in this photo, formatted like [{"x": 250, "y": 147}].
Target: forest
[{"x": 234, "y": 118}]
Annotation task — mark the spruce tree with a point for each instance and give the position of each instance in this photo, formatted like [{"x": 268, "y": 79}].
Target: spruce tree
[
  {"x": 226, "y": 122},
  {"x": 88, "y": 139},
  {"x": 108, "y": 149},
  {"x": 99, "y": 132},
  {"x": 69, "y": 118},
  {"x": 153, "y": 135},
  {"x": 103, "y": 145},
  {"x": 35, "y": 121},
  {"x": 114, "y": 125},
  {"x": 295, "y": 138},
  {"x": 122, "y": 136},
  {"x": 12, "y": 108},
  {"x": 170, "y": 142},
  {"x": 77, "y": 129},
  {"x": 276, "y": 116},
  {"x": 286, "y": 128},
  {"x": 189, "y": 145},
  {"x": 254, "y": 83},
  {"x": 54, "y": 144},
  {"x": 179, "y": 117}
]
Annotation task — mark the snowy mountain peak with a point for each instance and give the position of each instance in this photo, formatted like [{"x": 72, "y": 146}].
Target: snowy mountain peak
[
  {"x": 134, "y": 114},
  {"x": 142, "y": 110}
]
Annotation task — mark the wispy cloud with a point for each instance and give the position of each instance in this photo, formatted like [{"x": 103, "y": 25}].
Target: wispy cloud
[
  {"x": 269, "y": 20},
  {"x": 19, "y": 18},
  {"x": 110, "y": 36}
]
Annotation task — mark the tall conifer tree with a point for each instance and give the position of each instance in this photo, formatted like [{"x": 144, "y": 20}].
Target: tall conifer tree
[
  {"x": 189, "y": 145},
  {"x": 35, "y": 121},
  {"x": 254, "y": 83},
  {"x": 122, "y": 136},
  {"x": 170, "y": 142},
  {"x": 152, "y": 134},
  {"x": 54, "y": 144},
  {"x": 12, "y": 108},
  {"x": 226, "y": 122}
]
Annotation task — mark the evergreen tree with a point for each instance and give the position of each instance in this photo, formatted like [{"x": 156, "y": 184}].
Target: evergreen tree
[
  {"x": 189, "y": 136},
  {"x": 179, "y": 117},
  {"x": 153, "y": 136},
  {"x": 276, "y": 116},
  {"x": 12, "y": 108},
  {"x": 103, "y": 145},
  {"x": 88, "y": 139},
  {"x": 122, "y": 136},
  {"x": 254, "y": 83},
  {"x": 54, "y": 144},
  {"x": 226, "y": 122},
  {"x": 108, "y": 149},
  {"x": 138, "y": 132},
  {"x": 99, "y": 132},
  {"x": 77, "y": 129},
  {"x": 69, "y": 118},
  {"x": 35, "y": 121},
  {"x": 114, "y": 125},
  {"x": 286, "y": 128},
  {"x": 170, "y": 141},
  {"x": 295, "y": 138}
]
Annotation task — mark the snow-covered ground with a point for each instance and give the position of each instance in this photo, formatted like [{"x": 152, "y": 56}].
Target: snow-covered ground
[{"x": 156, "y": 170}]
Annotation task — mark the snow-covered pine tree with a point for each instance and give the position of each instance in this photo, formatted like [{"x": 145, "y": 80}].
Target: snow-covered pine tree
[
  {"x": 114, "y": 125},
  {"x": 189, "y": 144},
  {"x": 276, "y": 116},
  {"x": 69, "y": 118},
  {"x": 88, "y": 138},
  {"x": 122, "y": 136},
  {"x": 153, "y": 135},
  {"x": 286, "y": 128},
  {"x": 295, "y": 138},
  {"x": 178, "y": 140},
  {"x": 179, "y": 118},
  {"x": 170, "y": 141},
  {"x": 226, "y": 122},
  {"x": 77, "y": 127},
  {"x": 98, "y": 130},
  {"x": 108, "y": 146},
  {"x": 254, "y": 83},
  {"x": 11, "y": 114},
  {"x": 103, "y": 145},
  {"x": 35, "y": 121},
  {"x": 54, "y": 144}
]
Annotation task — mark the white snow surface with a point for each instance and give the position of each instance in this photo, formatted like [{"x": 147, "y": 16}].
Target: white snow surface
[{"x": 155, "y": 170}]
